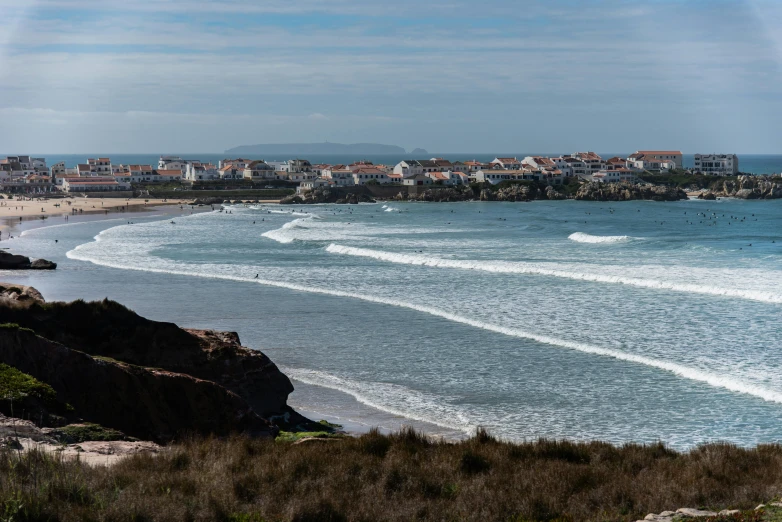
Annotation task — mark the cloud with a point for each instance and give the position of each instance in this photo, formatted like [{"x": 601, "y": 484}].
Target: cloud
[{"x": 203, "y": 70}]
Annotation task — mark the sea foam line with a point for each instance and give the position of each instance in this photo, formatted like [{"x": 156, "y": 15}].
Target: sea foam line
[
  {"x": 515, "y": 267},
  {"x": 581, "y": 237},
  {"x": 716, "y": 381},
  {"x": 359, "y": 392}
]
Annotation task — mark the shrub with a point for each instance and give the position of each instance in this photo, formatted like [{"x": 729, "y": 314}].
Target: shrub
[{"x": 16, "y": 385}]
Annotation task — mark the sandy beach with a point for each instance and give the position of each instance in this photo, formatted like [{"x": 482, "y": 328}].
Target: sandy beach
[{"x": 33, "y": 208}]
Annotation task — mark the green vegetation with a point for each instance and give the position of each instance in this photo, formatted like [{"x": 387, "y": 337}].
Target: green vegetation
[
  {"x": 15, "y": 385},
  {"x": 681, "y": 180},
  {"x": 400, "y": 477},
  {"x": 76, "y": 433},
  {"x": 293, "y": 436}
]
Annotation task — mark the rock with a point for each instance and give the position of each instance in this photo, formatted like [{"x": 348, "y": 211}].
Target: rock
[
  {"x": 326, "y": 195},
  {"x": 145, "y": 403},
  {"x": 728, "y": 512},
  {"x": 709, "y": 196},
  {"x": 14, "y": 262},
  {"x": 624, "y": 191},
  {"x": 760, "y": 506},
  {"x": 690, "y": 512},
  {"x": 10, "y": 292},
  {"x": 749, "y": 187},
  {"x": 42, "y": 264},
  {"x": 443, "y": 194},
  {"x": 108, "y": 329},
  {"x": 310, "y": 440}
]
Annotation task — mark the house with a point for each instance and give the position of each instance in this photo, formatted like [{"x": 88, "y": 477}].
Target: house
[
  {"x": 200, "y": 172},
  {"x": 395, "y": 179},
  {"x": 717, "y": 164},
  {"x": 537, "y": 162},
  {"x": 173, "y": 163},
  {"x": 473, "y": 166},
  {"x": 279, "y": 166},
  {"x": 652, "y": 164},
  {"x": 408, "y": 168},
  {"x": 312, "y": 184},
  {"x": 449, "y": 178},
  {"x": 164, "y": 175},
  {"x": 616, "y": 163},
  {"x": 94, "y": 184},
  {"x": 506, "y": 163},
  {"x": 258, "y": 170},
  {"x": 493, "y": 176},
  {"x": 299, "y": 165},
  {"x": 238, "y": 163},
  {"x": 417, "y": 180},
  {"x": 613, "y": 176},
  {"x": 592, "y": 161},
  {"x": 363, "y": 175},
  {"x": 672, "y": 155},
  {"x": 99, "y": 166},
  {"x": 342, "y": 177},
  {"x": 230, "y": 172}
]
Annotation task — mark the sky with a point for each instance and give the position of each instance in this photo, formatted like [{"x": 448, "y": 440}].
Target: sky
[{"x": 165, "y": 76}]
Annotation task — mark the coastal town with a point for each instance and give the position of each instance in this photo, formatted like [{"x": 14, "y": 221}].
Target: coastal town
[{"x": 32, "y": 175}]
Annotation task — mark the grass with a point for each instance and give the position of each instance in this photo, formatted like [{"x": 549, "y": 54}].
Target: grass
[
  {"x": 400, "y": 477},
  {"x": 76, "y": 433},
  {"x": 16, "y": 385}
]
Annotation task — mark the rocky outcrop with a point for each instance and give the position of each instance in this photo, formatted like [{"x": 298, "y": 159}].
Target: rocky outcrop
[
  {"x": 13, "y": 262},
  {"x": 326, "y": 195},
  {"x": 439, "y": 195},
  {"x": 108, "y": 329},
  {"x": 13, "y": 294},
  {"x": 147, "y": 403},
  {"x": 624, "y": 191},
  {"x": 693, "y": 514},
  {"x": 746, "y": 187}
]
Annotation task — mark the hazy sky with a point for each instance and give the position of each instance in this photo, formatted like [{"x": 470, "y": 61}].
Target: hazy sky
[{"x": 447, "y": 75}]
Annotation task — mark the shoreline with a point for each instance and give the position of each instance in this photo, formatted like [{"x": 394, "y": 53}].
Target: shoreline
[{"x": 12, "y": 212}]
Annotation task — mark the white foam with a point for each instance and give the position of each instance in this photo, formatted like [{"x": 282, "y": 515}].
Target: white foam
[
  {"x": 390, "y": 398},
  {"x": 391, "y": 209},
  {"x": 284, "y": 234},
  {"x": 516, "y": 267},
  {"x": 218, "y": 272},
  {"x": 581, "y": 237}
]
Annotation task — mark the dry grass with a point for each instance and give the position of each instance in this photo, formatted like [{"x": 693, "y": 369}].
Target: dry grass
[{"x": 400, "y": 477}]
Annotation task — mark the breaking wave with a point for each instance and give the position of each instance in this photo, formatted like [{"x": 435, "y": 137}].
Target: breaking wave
[
  {"x": 581, "y": 237},
  {"x": 223, "y": 272},
  {"x": 390, "y": 398},
  {"x": 516, "y": 267}
]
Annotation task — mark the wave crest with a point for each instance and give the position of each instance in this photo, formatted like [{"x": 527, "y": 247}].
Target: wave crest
[{"x": 581, "y": 237}]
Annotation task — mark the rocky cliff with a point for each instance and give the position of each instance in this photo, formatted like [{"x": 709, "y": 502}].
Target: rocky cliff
[
  {"x": 146, "y": 403},
  {"x": 746, "y": 187},
  {"x": 627, "y": 191},
  {"x": 149, "y": 379},
  {"x": 439, "y": 195},
  {"x": 326, "y": 195}
]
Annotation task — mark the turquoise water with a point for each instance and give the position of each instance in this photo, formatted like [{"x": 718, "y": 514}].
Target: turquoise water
[{"x": 634, "y": 321}]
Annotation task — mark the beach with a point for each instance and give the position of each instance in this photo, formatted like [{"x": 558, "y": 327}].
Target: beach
[{"x": 47, "y": 208}]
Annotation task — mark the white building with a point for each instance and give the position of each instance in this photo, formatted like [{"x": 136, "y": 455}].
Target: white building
[
  {"x": 200, "y": 172},
  {"x": 417, "y": 180},
  {"x": 362, "y": 176},
  {"x": 339, "y": 176},
  {"x": 652, "y": 164},
  {"x": 613, "y": 176},
  {"x": 259, "y": 170},
  {"x": 174, "y": 163},
  {"x": 94, "y": 184},
  {"x": 672, "y": 155},
  {"x": 280, "y": 166},
  {"x": 506, "y": 163},
  {"x": 717, "y": 164}
]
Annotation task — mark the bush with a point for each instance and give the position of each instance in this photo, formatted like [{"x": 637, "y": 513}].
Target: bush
[{"x": 16, "y": 385}]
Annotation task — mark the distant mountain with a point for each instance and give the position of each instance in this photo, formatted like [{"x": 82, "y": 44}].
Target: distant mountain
[
  {"x": 419, "y": 152},
  {"x": 303, "y": 149}
]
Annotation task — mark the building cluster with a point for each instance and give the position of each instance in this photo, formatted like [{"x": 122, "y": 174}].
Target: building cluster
[{"x": 100, "y": 174}]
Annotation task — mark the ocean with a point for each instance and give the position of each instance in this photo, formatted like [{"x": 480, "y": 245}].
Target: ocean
[
  {"x": 751, "y": 163},
  {"x": 624, "y": 322}
]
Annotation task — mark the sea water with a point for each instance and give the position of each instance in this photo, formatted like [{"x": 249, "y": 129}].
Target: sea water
[{"x": 635, "y": 321}]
